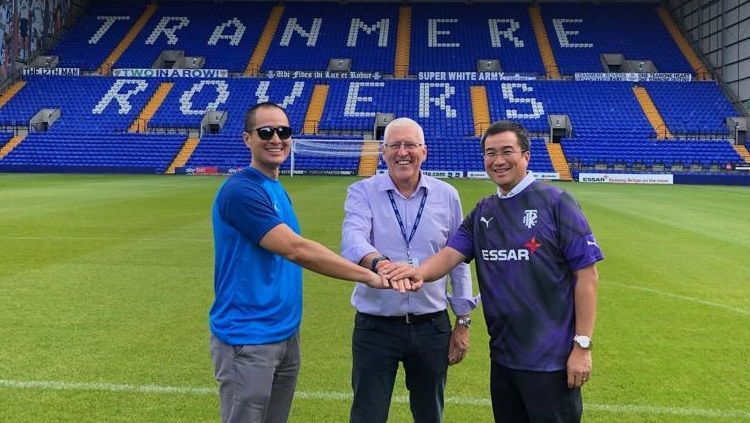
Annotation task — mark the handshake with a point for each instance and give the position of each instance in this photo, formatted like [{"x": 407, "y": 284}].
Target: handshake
[{"x": 400, "y": 277}]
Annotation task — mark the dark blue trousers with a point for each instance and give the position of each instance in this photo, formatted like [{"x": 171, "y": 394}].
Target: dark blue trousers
[
  {"x": 378, "y": 345},
  {"x": 520, "y": 396}
]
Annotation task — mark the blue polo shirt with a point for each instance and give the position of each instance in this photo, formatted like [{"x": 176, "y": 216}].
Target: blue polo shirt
[{"x": 258, "y": 293}]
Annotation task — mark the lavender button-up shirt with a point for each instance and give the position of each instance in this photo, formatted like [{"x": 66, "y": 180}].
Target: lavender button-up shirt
[{"x": 370, "y": 225}]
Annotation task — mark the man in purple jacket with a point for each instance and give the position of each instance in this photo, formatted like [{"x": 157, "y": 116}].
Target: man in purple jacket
[{"x": 536, "y": 264}]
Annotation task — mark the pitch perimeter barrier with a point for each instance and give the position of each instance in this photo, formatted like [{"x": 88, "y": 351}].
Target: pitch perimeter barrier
[{"x": 742, "y": 179}]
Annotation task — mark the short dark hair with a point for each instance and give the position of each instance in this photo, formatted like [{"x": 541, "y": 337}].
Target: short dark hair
[
  {"x": 522, "y": 134},
  {"x": 250, "y": 115}
]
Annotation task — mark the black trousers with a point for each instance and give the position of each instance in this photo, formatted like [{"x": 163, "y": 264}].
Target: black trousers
[
  {"x": 378, "y": 345},
  {"x": 520, "y": 396}
]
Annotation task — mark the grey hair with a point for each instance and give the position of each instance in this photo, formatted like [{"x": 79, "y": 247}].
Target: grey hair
[{"x": 404, "y": 122}]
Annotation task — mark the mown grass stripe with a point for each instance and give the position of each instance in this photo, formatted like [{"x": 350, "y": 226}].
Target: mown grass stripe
[
  {"x": 733, "y": 309},
  {"x": 342, "y": 396}
]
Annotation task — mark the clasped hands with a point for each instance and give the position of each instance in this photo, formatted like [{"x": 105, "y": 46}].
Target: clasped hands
[{"x": 400, "y": 277}]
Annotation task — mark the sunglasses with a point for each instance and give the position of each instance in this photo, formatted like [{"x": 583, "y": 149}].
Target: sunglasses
[{"x": 266, "y": 132}]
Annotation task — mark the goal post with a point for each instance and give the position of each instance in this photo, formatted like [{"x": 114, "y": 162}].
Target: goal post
[{"x": 343, "y": 148}]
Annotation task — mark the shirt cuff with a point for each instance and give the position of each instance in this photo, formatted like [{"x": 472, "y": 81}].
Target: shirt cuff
[
  {"x": 356, "y": 252},
  {"x": 361, "y": 251},
  {"x": 463, "y": 306}
]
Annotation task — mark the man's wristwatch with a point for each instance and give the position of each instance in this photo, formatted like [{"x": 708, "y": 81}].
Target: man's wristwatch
[
  {"x": 375, "y": 261},
  {"x": 583, "y": 341},
  {"x": 464, "y": 321}
]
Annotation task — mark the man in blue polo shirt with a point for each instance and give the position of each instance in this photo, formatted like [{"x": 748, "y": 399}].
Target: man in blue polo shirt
[
  {"x": 256, "y": 314},
  {"x": 536, "y": 265}
]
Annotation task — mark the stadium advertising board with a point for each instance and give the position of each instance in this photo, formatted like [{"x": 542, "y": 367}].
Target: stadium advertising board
[
  {"x": 207, "y": 170},
  {"x": 549, "y": 176},
  {"x": 170, "y": 73},
  {"x": 323, "y": 74},
  {"x": 626, "y": 178},
  {"x": 474, "y": 76},
  {"x": 444, "y": 173},
  {"x": 422, "y": 76},
  {"x": 319, "y": 172},
  {"x": 198, "y": 170},
  {"x": 52, "y": 72},
  {"x": 441, "y": 174},
  {"x": 224, "y": 170},
  {"x": 633, "y": 77}
]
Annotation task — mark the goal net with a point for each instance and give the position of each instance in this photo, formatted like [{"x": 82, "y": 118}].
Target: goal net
[{"x": 332, "y": 149}]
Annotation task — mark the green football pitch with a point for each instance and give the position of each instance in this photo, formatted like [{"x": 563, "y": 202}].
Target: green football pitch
[{"x": 105, "y": 283}]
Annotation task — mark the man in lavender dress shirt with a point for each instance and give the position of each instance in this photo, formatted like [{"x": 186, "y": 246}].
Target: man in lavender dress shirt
[
  {"x": 536, "y": 264},
  {"x": 404, "y": 216}
]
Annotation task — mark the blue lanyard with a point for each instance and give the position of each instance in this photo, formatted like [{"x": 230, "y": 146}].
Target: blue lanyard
[{"x": 401, "y": 221}]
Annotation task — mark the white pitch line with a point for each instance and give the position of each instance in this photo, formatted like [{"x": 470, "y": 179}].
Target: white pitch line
[
  {"x": 102, "y": 238},
  {"x": 342, "y": 396},
  {"x": 106, "y": 387},
  {"x": 727, "y": 307}
]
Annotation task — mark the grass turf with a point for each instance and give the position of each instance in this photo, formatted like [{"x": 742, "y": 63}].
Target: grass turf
[{"x": 108, "y": 279}]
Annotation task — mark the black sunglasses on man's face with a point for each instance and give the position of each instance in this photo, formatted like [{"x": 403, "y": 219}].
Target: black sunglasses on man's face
[{"x": 266, "y": 132}]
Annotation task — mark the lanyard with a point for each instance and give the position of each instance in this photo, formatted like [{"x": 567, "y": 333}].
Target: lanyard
[{"x": 401, "y": 222}]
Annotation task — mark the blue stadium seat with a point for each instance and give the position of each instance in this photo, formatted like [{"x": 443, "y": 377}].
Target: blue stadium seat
[
  {"x": 224, "y": 34},
  {"x": 117, "y": 152},
  {"x": 442, "y": 108},
  {"x": 453, "y": 37},
  {"x": 692, "y": 109},
  {"x": 609, "y": 126},
  {"x": 190, "y": 98},
  {"x": 602, "y": 108},
  {"x": 93, "y": 104},
  {"x": 97, "y": 33},
  {"x": 311, "y": 34},
  {"x": 580, "y": 33}
]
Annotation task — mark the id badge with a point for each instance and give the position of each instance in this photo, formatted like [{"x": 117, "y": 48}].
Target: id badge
[{"x": 413, "y": 261}]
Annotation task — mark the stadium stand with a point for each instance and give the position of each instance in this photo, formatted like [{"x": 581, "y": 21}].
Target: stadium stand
[
  {"x": 595, "y": 108},
  {"x": 93, "y": 152},
  {"x": 699, "y": 108},
  {"x": 312, "y": 33},
  {"x": 224, "y": 36},
  {"x": 453, "y": 37},
  {"x": 442, "y": 108},
  {"x": 641, "y": 154},
  {"x": 89, "y": 105},
  {"x": 5, "y": 137},
  {"x": 188, "y": 100},
  {"x": 220, "y": 150},
  {"x": 580, "y": 33},
  {"x": 97, "y": 33},
  {"x": 153, "y": 124},
  {"x": 449, "y": 154}
]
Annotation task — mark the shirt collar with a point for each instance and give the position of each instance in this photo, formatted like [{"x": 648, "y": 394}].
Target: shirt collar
[
  {"x": 386, "y": 183},
  {"x": 526, "y": 181}
]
